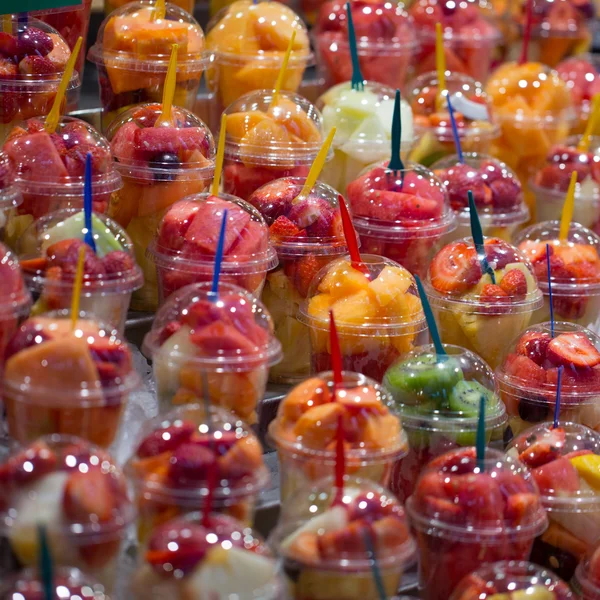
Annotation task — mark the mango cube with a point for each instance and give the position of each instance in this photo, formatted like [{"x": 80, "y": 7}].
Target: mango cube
[{"x": 588, "y": 467}]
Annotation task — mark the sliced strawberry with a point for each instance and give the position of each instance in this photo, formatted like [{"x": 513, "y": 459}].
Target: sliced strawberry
[
  {"x": 544, "y": 449},
  {"x": 491, "y": 292},
  {"x": 306, "y": 269},
  {"x": 585, "y": 271},
  {"x": 534, "y": 345},
  {"x": 534, "y": 251},
  {"x": 514, "y": 283},
  {"x": 573, "y": 349},
  {"x": 281, "y": 228},
  {"x": 455, "y": 268}
]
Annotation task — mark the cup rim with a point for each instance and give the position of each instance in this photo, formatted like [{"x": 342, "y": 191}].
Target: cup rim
[{"x": 104, "y": 183}]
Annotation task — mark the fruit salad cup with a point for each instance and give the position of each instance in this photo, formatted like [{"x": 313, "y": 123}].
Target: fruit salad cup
[
  {"x": 586, "y": 582},
  {"x": 171, "y": 467},
  {"x": 306, "y": 427},
  {"x": 267, "y": 142},
  {"x": 466, "y": 517},
  {"x": 307, "y": 234},
  {"x": 132, "y": 54},
  {"x": 402, "y": 215},
  {"x": 10, "y": 195},
  {"x": 49, "y": 170},
  {"x": 112, "y": 5},
  {"x": 473, "y": 312},
  {"x": 363, "y": 122},
  {"x": 190, "y": 557},
  {"x": 327, "y": 544},
  {"x": 66, "y": 380},
  {"x": 159, "y": 166},
  {"x": 186, "y": 243},
  {"x": 565, "y": 463},
  {"x": 385, "y": 36},
  {"x": 497, "y": 193},
  {"x": 76, "y": 491},
  {"x": 574, "y": 272},
  {"x": 49, "y": 251},
  {"x": 437, "y": 398},
  {"x": 220, "y": 346},
  {"x": 528, "y": 377}
]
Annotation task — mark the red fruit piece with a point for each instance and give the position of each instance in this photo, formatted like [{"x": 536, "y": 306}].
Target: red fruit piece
[
  {"x": 151, "y": 141},
  {"x": 29, "y": 465},
  {"x": 455, "y": 268},
  {"x": 34, "y": 41},
  {"x": 275, "y": 199},
  {"x": 525, "y": 369},
  {"x": 9, "y": 107},
  {"x": 8, "y": 69},
  {"x": 36, "y": 157},
  {"x": 190, "y": 464},
  {"x": 175, "y": 224},
  {"x": 222, "y": 339},
  {"x": 459, "y": 180},
  {"x": 535, "y": 251},
  {"x": 479, "y": 496},
  {"x": 514, "y": 283},
  {"x": 521, "y": 508},
  {"x": 8, "y": 44},
  {"x": 89, "y": 497},
  {"x": 118, "y": 262},
  {"x": 534, "y": 345},
  {"x": 202, "y": 313},
  {"x": 305, "y": 271},
  {"x": 557, "y": 476},
  {"x": 282, "y": 227},
  {"x": 165, "y": 440},
  {"x": 558, "y": 271},
  {"x": 544, "y": 449},
  {"x": 573, "y": 349},
  {"x": 36, "y": 65},
  {"x": 499, "y": 253},
  {"x": 345, "y": 542},
  {"x": 168, "y": 330}
]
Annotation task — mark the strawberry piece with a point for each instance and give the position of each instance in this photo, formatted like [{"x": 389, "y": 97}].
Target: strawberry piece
[
  {"x": 36, "y": 65},
  {"x": 535, "y": 251},
  {"x": 586, "y": 271},
  {"x": 514, "y": 283},
  {"x": 166, "y": 439},
  {"x": 118, "y": 262},
  {"x": 534, "y": 345},
  {"x": 525, "y": 369},
  {"x": 8, "y": 44},
  {"x": 89, "y": 496},
  {"x": 218, "y": 339},
  {"x": 9, "y": 107},
  {"x": 558, "y": 270},
  {"x": 168, "y": 330},
  {"x": 201, "y": 313},
  {"x": 573, "y": 349},
  {"x": 570, "y": 308},
  {"x": 493, "y": 293},
  {"x": 305, "y": 271},
  {"x": 506, "y": 193},
  {"x": 544, "y": 449},
  {"x": 191, "y": 464},
  {"x": 281, "y": 228},
  {"x": 455, "y": 268},
  {"x": 521, "y": 508}
]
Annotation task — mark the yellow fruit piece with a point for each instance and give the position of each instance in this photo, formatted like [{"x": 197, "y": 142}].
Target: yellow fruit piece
[
  {"x": 319, "y": 305},
  {"x": 240, "y": 124},
  {"x": 274, "y": 25},
  {"x": 588, "y": 467},
  {"x": 295, "y": 120},
  {"x": 343, "y": 281},
  {"x": 390, "y": 285},
  {"x": 356, "y": 309},
  {"x": 217, "y": 556},
  {"x": 263, "y": 134}
]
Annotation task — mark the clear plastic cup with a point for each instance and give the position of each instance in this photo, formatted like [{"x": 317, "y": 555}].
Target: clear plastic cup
[
  {"x": 10, "y": 195},
  {"x": 112, "y": 5},
  {"x": 496, "y": 190},
  {"x": 34, "y": 57},
  {"x": 159, "y": 166},
  {"x": 469, "y": 33},
  {"x": 49, "y": 251},
  {"x": 473, "y": 312},
  {"x": 222, "y": 347},
  {"x": 437, "y": 399},
  {"x": 185, "y": 245},
  {"x": 565, "y": 463},
  {"x": 187, "y": 557},
  {"x": 586, "y": 582},
  {"x": 327, "y": 545},
  {"x": 574, "y": 272},
  {"x": 363, "y": 122},
  {"x": 306, "y": 425},
  {"x": 265, "y": 143},
  {"x": 50, "y": 170},
  {"x": 170, "y": 467},
  {"x": 512, "y": 579},
  {"x": 402, "y": 215},
  {"x": 65, "y": 380},
  {"x": 465, "y": 517},
  {"x": 476, "y": 123},
  {"x": 132, "y": 54},
  {"x": 306, "y": 235},
  {"x": 385, "y": 36},
  {"x": 78, "y": 493}
]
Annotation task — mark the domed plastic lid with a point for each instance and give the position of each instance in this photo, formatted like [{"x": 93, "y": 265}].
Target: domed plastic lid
[
  {"x": 456, "y": 276},
  {"x": 532, "y": 363},
  {"x": 563, "y": 461},
  {"x": 444, "y": 390},
  {"x": 455, "y": 499},
  {"x": 184, "y": 150},
  {"x": 89, "y": 364},
  {"x": 136, "y": 38},
  {"x": 311, "y": 225},
  {"x": 497, "y": 191},
  {"x": 54, "y": 164},
  {"x": 512, "y": 579},
  {"x": 376, "y": 297},
  {"x": 581, "y": 76},
  {"x": 472, "y": 108},
  {"x": 10, "y": 196},
  {"x": 586, "y": 581},
  {"x": 307, "y": 420},
  {"x": 562, "y": 18},
  {"x": 288, "y": 133},
  {"x": 574, "y": 263},
  {"x": 49, "y": 250},
  {"x": 14, "y": 296},
  {"x": 233, "y": 331},
  {"x": 400, "y": 204},
  {"x": 178, "y": 453},
  {"x": 66, "y": 484}
]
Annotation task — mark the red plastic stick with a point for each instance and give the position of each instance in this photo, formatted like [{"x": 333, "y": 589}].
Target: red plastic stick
[
  {"x": 336, "y": 354},
  {"x": 350, "y": 235},
  {"x": 211, "y": 483},
  {"x": 527, "y": 33},
  {"x": 340, "y": 458}
]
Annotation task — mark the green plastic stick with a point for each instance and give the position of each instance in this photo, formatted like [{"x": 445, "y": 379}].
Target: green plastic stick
[
  {"x": 396, "y": 163},
  {"x": 433, "y": 330},
  {"x": 358, "y": 82}
]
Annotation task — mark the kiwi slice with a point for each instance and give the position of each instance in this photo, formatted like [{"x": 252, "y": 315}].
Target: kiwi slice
[{"x": 466, "y": 396}]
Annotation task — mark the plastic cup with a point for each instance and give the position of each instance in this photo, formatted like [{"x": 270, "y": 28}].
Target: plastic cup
[
  {"x": 264, "y": 143},
  {"x": 327, "y": 547},
  {"x": 363, "y": 122},
  {"x": 132, "y": 54},
  {"x": 476, "y": 123},
  {"x": 10, "y": 195},
  {"x": 586, "y": 581},
  {"x": 314, "y": 239},
  {"x": 159, "y": 166},
  {"x": 402, "y": 215},
  {"x": 386, "y": 42},
  {"x": 170, "y": 467},
  {"x": 305, "y": 430},
  {"x": 437, "y": 399},
  {"x": 65, "y": 380},
  {"x": 33, "y": 64},
  {"x": 112, "y": 5},
  {"x": 564, "y": 461},
  {"x": 470, "y": 312},
  {"x": 496, "y": 190},
  {"x": 50, "y": 170},
  {"x": 49, "y": 250},
  {"x": 222, "y": 347},
  {"x": 78, "y": 493},
  {"x": 187, "y": 558}
]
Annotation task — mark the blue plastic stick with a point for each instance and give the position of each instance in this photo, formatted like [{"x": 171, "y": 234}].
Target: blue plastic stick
[
  {"x": 219, "y": 257},
  {"x": 433, "y": 330},
  {"x": 480, "y": 439},
  {"x": 557, "y": 405},
  {"x": 374, "y": 566},
  {"x": 88, "y": 236},
  {"x": 477, "y": 234},
  {"x": 358, "y": 82},
  {"x": 461, "y": 159},
  {"x": 45, "y": 565},
  {"x": 550, "y": 299}
]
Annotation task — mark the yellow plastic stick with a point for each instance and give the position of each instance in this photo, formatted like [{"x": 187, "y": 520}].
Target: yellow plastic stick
[
  {"x": 77, "y": 288},
  {"x": 7, "y": 23},
  {"x": 567, "y": 211},
  {"x": 160, "y": 10},
  {"x": 284, "y": 65},
  {"x": 54, "y": 114},
  {"x": 219, "y": 160},
  {"x": 316, "y": 168},
  {"x": 166, "y": 116},
  {"x": 440, "y": 60},
  {"x": 584, "y": 144}
]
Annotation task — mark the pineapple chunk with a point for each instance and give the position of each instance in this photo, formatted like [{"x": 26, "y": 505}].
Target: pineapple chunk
[
  {"x": 343, "y": 281},
  {"x": 356, "y": 309},
  {"x": 392, "y": 283},
  {"x": 319, "y": 305},
  {"x": 588, "y": 467}
]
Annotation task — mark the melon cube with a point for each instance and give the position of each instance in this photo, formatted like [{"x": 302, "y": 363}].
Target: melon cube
[
  {"x": 390, "y": 284},
  {"x": 355, "y": 309},
  {"x": 343, "y": 281}
]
